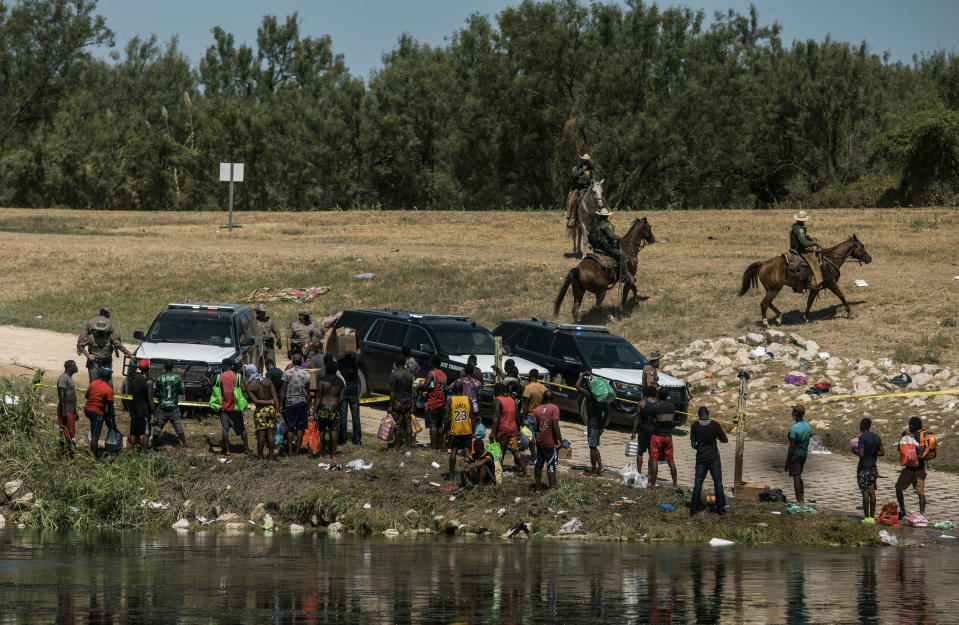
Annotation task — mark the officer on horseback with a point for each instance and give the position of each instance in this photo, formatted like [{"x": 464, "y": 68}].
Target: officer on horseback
[
  {"x": 582, "y": 177},
  {"x": 603, "y": 239},
  {"x": 805, "y": 246}
]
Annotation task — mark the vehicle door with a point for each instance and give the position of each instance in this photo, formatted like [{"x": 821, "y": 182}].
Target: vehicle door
[
  {"x": 421, "y": 345},
  {"x": 246, "y": 329},
  {"x": 382, "y": 344},
  {"x": 565, "y": 364}
]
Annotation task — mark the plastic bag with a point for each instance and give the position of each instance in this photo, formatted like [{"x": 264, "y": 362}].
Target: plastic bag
[
  {"x": 573, "y": 526},
  {"x": 916, "y": 520},
  {"x": 495, "y": 450},
  {"x": 889, "y": 515},
  {"x": 627, "y": 475},
  {"x": 632, "y": 449},
  {"x": 601, "y": 389},
  {"x": 641, "y": 480},
  {"x": 907, "y": 452},
  {"x": 114, "y": 441}
]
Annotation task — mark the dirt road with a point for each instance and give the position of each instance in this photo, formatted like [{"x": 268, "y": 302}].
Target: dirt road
[{"x": 830, "y": 478}]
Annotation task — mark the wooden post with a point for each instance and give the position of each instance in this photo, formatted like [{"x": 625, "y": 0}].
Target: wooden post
[
  {"x": 741, "y": 429},
  {"x": 497, "y": 358}
]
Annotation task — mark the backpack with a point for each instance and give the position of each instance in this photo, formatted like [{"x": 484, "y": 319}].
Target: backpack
[
  {"x": 889, "y": 515},
  {"x": 907, "y": 452},
  {"x": 927, "y": 445},
  {"x": 601, "y": 390}
]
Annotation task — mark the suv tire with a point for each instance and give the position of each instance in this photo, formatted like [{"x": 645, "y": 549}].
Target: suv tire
[
  {"x": 582, "y": 410},
  {"x": 364, "y": 389}
]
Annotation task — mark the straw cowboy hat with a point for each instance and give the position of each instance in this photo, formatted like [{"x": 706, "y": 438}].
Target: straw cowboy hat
[
  {"x": 801, "y": 216},
  {"x": 604, "y": 212},
  {"x": 585, "y": 157}
]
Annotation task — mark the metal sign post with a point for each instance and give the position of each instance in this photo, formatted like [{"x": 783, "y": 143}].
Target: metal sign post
[
  {"x": 231, "y": 172},
  {"x": 741, "y": 428}
]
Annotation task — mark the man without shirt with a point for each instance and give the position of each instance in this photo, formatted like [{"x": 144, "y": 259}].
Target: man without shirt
[
  {"x": 401, "y": 402},
  {"x": 293, "y": 396},
  {"x": 869, "y": 448},
  {"x": 329, "y": 396},
  {"x": 142, "y": 410},
  {"x": 266, "y": 405},
  {"x": 67, "y": 403}
]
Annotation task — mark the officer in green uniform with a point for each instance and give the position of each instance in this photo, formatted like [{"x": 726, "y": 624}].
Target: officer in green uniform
[
  {"x": 603, "y": 239},
  {"x": 802, "y": 244},
  {"x": 98, "y": 346},
  {"x": 304, "y": 332},
  {"x": 582, "y": 176},
  {"x": 271, "y": 336}
]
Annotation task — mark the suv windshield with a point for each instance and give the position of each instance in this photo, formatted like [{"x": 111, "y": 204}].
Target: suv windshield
[
  {"x": 464, "y": 340},
  {"x": 192, "y": 329},
  {"x": 611, "y": 353}
]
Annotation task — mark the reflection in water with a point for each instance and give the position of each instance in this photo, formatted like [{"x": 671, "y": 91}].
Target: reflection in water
[{"x": 209, "y": 578}]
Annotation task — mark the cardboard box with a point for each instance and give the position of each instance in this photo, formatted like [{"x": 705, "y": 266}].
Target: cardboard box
[
  {"x": 750, "y": 490},
  {"x": 344, "y": 340},
  {"x": 565, "y": 453},
  {"x": 314, "y": 378}
]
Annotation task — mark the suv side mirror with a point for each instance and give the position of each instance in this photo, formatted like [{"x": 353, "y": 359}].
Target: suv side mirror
[
  {"x": 248, "y": 341},
  {"x": 571, "y": 360},
  {"x": 426, "y": 347},
  {"x": 139, "y": 335}
]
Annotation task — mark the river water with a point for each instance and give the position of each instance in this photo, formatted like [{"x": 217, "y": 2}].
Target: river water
[{"x": 128, "y": 577}]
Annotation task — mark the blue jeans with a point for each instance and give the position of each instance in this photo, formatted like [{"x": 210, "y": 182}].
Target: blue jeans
[
  {"x": 716, "y": 470},
  {"x": 351, "y": 403}
]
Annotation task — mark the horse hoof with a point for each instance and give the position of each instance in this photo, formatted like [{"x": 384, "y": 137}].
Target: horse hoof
[
  {"x": 779, "y": 321},
  {"x": 765, "y": 323}
]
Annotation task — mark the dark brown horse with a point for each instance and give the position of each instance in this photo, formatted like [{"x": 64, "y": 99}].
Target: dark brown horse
[
  {"x": 590, "y": 276},
  {"x": 774, "y": 276}
]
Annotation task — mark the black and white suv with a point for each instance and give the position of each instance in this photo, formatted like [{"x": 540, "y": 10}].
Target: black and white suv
[
  {"x": 566, "y": 350},
  {"x": 197, "y": 336}
]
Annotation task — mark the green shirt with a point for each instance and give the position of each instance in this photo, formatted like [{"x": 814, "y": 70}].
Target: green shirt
[
  {"x": 604, "y": 237},
  {"x": 798, "y": 239},
  {"x": 166, "y": 389},
  {"x": 582, "y": 176}
]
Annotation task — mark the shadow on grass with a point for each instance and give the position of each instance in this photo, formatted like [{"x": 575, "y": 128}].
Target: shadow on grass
[{"x": 794, "y": 317}]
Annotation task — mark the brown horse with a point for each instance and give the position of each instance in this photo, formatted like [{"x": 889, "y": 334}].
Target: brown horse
[
  {"x": 590, "y": 276},
  {"x": 773, "y": 274}
]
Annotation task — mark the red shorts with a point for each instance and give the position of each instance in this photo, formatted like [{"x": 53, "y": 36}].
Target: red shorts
[
  {"x": 68, "y": 423},
  {"x": 661, "y": 448}
]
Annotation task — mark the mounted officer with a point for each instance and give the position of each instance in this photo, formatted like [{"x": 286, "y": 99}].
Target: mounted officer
[
  {"x": 801, "y": 243},
  {"x": 603, "y": 239},
  {"x": 581, "y": 178}
]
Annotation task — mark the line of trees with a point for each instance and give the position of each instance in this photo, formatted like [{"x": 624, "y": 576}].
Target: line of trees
[{"x": 677, "y": 111}]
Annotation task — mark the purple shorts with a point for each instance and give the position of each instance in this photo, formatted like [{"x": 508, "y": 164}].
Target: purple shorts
[{"x": 296, "y": 416}]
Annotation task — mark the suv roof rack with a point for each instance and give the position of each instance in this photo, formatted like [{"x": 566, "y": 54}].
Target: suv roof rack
[
  {"x": 202, "y": 306},
  {"x": 412, "y": 315},
  {"x": 587, "y": 328}
]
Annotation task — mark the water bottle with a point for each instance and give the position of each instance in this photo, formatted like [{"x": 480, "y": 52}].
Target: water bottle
[{"x": 278, "y": 434}]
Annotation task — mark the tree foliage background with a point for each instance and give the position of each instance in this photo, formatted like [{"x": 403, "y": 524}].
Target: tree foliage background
[{"x": 677, "y": 111}]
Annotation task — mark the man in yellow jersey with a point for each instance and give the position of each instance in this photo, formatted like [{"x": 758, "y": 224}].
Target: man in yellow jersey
[{"x": 459, "y": 424}]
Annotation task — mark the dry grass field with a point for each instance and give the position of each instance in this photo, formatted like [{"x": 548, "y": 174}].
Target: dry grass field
[{"x": 61, "y": 266}]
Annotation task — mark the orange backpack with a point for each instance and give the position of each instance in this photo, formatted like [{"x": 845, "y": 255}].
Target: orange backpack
[{"x": 927, "y": 445}]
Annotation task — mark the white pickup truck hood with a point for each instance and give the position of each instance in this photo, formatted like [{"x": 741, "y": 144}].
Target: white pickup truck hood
[
  {"x": 184, "y": 352},
  {"x": 485, "y": 362},
  {"x": 635, "y": 376}
]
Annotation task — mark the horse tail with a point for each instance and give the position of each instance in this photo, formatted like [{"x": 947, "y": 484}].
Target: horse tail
[
  {"x": 572, "y": 275},
  {"x": 750, "y": 277}
]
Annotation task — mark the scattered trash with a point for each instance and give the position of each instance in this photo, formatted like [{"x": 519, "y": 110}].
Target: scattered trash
[
  {"x": 945, "y": 525},
  {"x": 202, "y": 520},
  {"x": 11, "y": 400},
  {"x": 561, "y": 512},
  {"x": 666, "y": 507},
  {"x": 435, "y": 485},
  {"x": 796, "y": 509},
  {"x": 39, "y": 317},
  {"x": 758, "y": 352},
  {"x": 435, "y": 465},
  {"x": 946, "y": 536},
  {"x": 641, "y": 481},
  {"x": 364, "y": 276},
  {"x": 903, "y": 379},
  {"x": 269, "y": 294},
  {"x": 74, "y": 509},
  {"x": 776, "y": 512},
  {"x": 861, "y": 283},
  {"x": 915, "y": 520},
  {"x": 823, "y": 355},
  {"x": 819, "y": 389},
  {"x": 222, "y": 460},
  {"x": 252, "y": 522},
  {"x": 367, "y": 506},
  {"x": 815, "y": 446},
  {"x": 357, "y": 465},
  {"x": 573, "y": 526},
  {"x": 627, "y": 475},
  {"x": 720, "y": 542},
  {"x": 153, "y": 505},
  {"x": 521, "y": 527},
  {"x": 402, "y": 464},
  {"x": 452, "y": 497},
  {"x": 772, "y": 496},
  {"x": 795, "y": 380},
  {"x": 888, "y": 538},
  {"x": 501, "y": 512},
  {"x": 407, "y": 454}
]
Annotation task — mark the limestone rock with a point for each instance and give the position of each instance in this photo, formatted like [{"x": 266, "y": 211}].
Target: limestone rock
[
  {"x": 267, "y": 520},
  {"x": 913, "y": 369},
  {"x": 11, "y": 487},
  {"x": 696, "y": 376},
  {"x": 235, "y": 527},
  {"x": 811, "y": 346},
  {"x": 864, "y": 365},
  {"x": 228, "y": 517},
  {"x": 3, "y": 520},
  {"x": 391, "y": 533},
  {"x": 754, "y": 339},
  {"x": 23, "y": 503},
  {"x": 296, "y": 528},
  {"x": 726, "y": 372},
  {"x": 774, "y": 336},
  {"x": 929, "y": 369},
  {"x": 807, "y": 354},
  {"x": 182, "y": 524},
  {"x": 834, "y": 363},
  {"x": 334, "y": 527},
  {"x": 833, "y": 373},
  {"x": 258, "y": 512},
  {"x": 795, "y": 339},
  {"x": 921, "y": 379}
]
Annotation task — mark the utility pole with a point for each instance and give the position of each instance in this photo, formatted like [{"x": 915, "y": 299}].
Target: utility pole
[
  {"x": 497, "y": 358},
  {"x": 741, "y": 427}
]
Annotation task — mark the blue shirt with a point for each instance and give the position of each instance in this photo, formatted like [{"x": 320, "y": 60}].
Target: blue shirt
[{"x": 800, "y": 433}]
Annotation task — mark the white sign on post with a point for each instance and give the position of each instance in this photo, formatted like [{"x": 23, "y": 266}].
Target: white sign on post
[{"x": 231, "y": 172}]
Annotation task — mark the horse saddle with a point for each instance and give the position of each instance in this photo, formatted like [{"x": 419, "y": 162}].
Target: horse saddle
[
  {"x": 797, "y": 266},
  {"x": 607, "y": 263}
]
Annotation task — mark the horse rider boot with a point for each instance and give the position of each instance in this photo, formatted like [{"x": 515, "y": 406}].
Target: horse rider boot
[
  {"x": 580, "y": 180},
  {"x": 805, "y": 246},
  {"x": 604, "y": 240}
]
